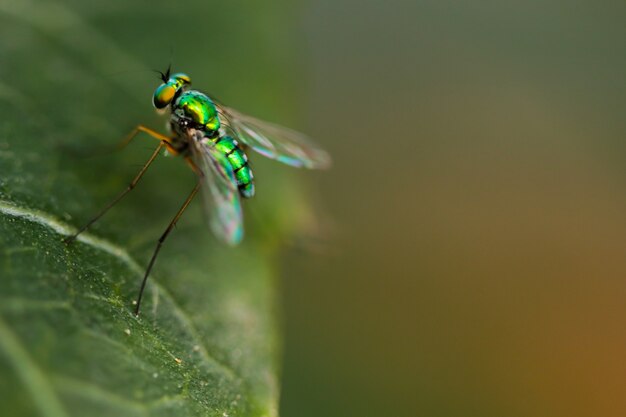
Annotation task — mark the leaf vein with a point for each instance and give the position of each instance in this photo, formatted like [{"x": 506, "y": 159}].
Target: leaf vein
[
  {"x": 88, "y": 390},
  {"x": 40, "y": 388},
  {"x": 51, "y": 222}
]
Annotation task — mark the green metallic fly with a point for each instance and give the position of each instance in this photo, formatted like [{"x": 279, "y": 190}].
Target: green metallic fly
[{"x": 213, "y": 140}]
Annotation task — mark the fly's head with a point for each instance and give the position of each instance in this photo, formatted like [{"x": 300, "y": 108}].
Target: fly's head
[{"x": 171, "y": 86}]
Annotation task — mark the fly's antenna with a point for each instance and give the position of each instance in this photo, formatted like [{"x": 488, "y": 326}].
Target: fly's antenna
[
  {"x": 169, "y": 71},
  {"x": 169, "y": 66},
  {"x": 163, "y": 77}
]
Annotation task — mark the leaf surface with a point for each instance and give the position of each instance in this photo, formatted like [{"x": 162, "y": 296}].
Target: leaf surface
[{"x": 71, "y": 86}]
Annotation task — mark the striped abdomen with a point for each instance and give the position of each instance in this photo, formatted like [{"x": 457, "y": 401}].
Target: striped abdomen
[{"x": 239, "y": 162}]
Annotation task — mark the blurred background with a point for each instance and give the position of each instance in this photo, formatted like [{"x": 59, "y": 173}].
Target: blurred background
[
  {"x": 478, "y": 200},
  {"x": 469, "y": 252}
]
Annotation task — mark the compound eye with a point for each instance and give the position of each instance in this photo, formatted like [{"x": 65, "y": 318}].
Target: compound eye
[{"x": 163, "y": 96}]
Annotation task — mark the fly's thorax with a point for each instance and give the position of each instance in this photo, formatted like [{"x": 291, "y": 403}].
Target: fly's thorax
[{"x": 194, "y": 109}]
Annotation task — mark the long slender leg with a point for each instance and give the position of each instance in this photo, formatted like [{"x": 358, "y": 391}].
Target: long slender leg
[
  {"x": 134, "y": 182},
  {"x": 128, "y": 138},
  {"x": 160, "y": 243},
  {"x": 142, "y": 128},
  {"x": 195, "y": 168}
]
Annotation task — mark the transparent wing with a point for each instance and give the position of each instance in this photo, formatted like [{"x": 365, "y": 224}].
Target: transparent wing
[
  {"x": 273, "y": 141},
  {"x": 220, "y": 193}
]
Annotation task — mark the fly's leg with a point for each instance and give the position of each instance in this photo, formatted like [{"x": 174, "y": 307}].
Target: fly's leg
[
  {"x": 160, "y": 243},
  {"x": 142, "y": 128},
  {"x": 165, "y": 142},
  {"x": 194, "y": 167},
  {"x": 128, "y": 138},
  {"x": 134, "y": 182}
]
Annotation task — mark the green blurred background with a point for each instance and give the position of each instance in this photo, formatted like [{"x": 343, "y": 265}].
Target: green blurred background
[{"x": 468, "y": 257}]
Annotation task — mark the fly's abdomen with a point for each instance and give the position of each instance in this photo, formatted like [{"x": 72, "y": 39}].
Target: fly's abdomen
[{"x": 239, "y": 162}]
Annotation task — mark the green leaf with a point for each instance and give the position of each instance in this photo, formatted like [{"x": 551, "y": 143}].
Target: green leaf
[{"x": 74, "y": 79}]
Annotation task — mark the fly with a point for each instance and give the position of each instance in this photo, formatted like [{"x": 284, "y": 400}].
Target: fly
[{"x": 213, "y": 140}]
